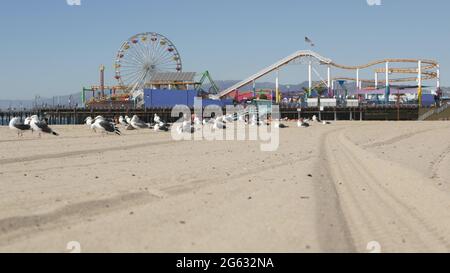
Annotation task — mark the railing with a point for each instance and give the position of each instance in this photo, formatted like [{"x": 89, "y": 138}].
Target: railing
[{"x": 434, "y": 112}]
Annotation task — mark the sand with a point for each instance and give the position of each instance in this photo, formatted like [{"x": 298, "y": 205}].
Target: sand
[{"x": 334, "y": 188}]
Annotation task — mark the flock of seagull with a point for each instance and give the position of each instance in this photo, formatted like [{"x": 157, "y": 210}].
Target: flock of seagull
[
  {"x": 103, "y": 125},
  {"x": 33, "y": 124}
]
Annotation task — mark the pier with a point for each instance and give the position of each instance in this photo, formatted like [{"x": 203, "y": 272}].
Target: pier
[{"x": 78, "y": 116}]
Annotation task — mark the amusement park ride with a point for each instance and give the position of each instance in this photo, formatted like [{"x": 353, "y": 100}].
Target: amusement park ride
[
  {"x": 146, "y": 61},
  {"x": 423, "y": 69},
  {"x": 143, "y": 58}
]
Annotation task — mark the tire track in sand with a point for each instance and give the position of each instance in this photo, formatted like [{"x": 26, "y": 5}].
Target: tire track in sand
[
  {"x": 332, "y": 228},
  {"x": 377, "y": 213},
  {"x": 16, "y": 228},
  {"x": 80, "y": 152},
  {"x": 437, "y": 163}
]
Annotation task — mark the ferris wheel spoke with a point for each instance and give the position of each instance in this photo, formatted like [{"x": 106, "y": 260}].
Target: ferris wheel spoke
[
  {"x": 154, "y": 46},
  {"x": 163, "y": 57},
  {"x": 167, "y": 67},
  {"x": 142, "y": 52},
  {"x": 141, "y": 80},
  {"x": 129, "y": 74},
  {"x": 147, "y": 49},
  {"x": 167, "y": 62},
  {"x": 136, "y": 47},
  {"x": 136, "y": 79},
  {"x": 135, "y": 56},
  {"x": 159, "y": 52},
  {"x": 130, "y": 78},
  {"x": 131, "y": 60}
]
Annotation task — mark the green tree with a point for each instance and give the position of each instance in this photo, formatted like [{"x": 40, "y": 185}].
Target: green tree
[{"x": 320, "y": 91}]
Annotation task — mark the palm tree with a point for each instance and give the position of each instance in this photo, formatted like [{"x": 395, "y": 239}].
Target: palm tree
[{"x": 320, "y": 91}]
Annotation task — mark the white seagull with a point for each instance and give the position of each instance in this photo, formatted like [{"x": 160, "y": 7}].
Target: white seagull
[
  {"x": 27, "y": 121},
  {"x": 219, "y": 124},
  {"x": 157, "y": 119},
  {"x": 89, "y": 121},
  {"x": 302, "y": 123},
  {"x": 18, "y": 126},
  {"x": 280, "y": 125},
  {"x": 137, "y": 123},
  {"x": 186, "y": 127},
  {"x": 123, "y": 121},
  {"x": 161, "y": 126},
  {"x": 315, "y": 119},
  {"x": 41, "y": 126},
  {"x": 104, "y": 126}
]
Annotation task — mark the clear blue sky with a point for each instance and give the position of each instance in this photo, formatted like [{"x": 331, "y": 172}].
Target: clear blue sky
[{"x": 51, "y": 48}]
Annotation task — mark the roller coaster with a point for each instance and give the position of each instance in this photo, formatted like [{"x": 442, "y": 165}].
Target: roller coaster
[{"x": 422, "y": 68}]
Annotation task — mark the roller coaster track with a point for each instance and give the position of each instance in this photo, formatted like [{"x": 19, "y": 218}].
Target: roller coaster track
[{"x": 427, "y": 73}]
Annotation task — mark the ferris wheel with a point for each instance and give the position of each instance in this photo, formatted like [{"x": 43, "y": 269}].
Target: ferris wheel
[{"x": 143, "y": 55}]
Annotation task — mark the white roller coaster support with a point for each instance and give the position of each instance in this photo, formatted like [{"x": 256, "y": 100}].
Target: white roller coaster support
[
  {"x": 357, "y": 78},
  {"x": 329, "y": 77},
  {"x": 438, "y": 77},
  {"x": 387, "y": 74},
  {"x": 309, "y": 77},
  {"x": 254, "y": 88},
  {"x": 376, "y": 80},
  {"x": 277, "y": 86},
  {"x": 419, "y": 76}
]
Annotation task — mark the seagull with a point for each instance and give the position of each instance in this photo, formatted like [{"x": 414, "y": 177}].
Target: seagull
[
  {"x": 161, "y": 127},
  {"x": 41, "y": 126},
  {"x": 186, "y": 127},
  {"x": 27, "y": 121},
  {"x": 219, "y": 124},
  {"x": 315, "y": 119},
  {"x": 123, "y": 121},
  {"x": 105, "y": 126},
  {"x": 16, "y": 125},
  {"x": 89, "y": 121},
  {"x": 128, "y": 119},
  {"x": 157, "y": 119},
  {"x": 280, "y": 125},
  {"x": 302, "y": 123},
  {"x": 137, "y": 123}
]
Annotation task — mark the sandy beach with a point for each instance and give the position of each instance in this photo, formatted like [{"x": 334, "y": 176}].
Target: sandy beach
[{"x": 333, "y": 188}]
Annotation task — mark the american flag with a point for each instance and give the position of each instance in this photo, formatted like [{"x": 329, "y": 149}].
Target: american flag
[{"x": 309, "y": 41}]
